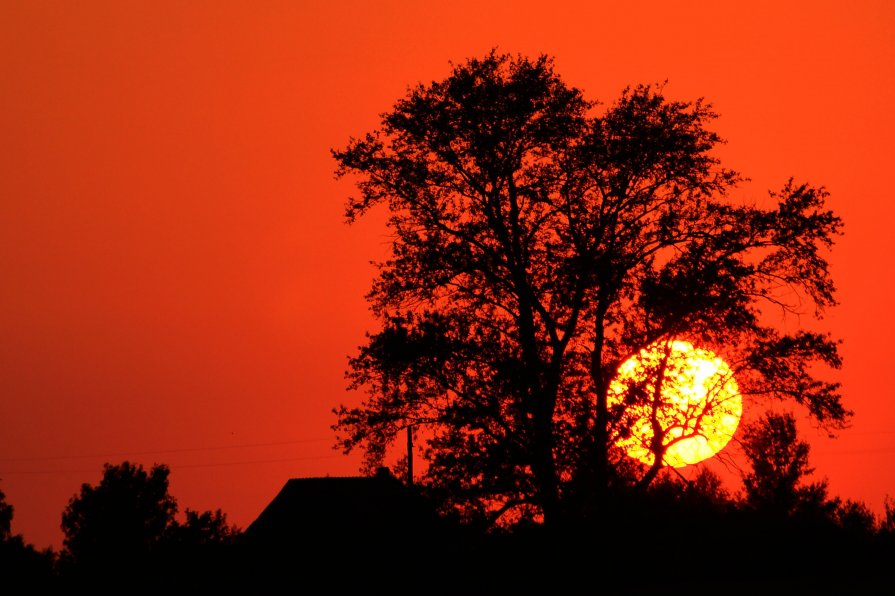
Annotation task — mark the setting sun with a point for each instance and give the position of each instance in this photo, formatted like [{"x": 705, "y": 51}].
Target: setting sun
[{"x": 687, "y": 394}]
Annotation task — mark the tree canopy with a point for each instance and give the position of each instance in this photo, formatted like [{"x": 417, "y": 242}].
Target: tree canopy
[
  {"x": 6, "y": 511},
  {"x": 126, "y": 527},
  {"x": 779, "y": 462},
  {"x": 119, "y": 521},
  {"x": 20, "y": 563},
  {"x": 539, "y": 240}
]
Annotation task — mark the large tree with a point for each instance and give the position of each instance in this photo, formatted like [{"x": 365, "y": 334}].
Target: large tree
[{"x": 538, "y": 242}]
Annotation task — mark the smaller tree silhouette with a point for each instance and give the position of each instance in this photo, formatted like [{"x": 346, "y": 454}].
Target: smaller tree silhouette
[
  {"x": 199, "y": 551},
  {"x": 114, "y": 526},
  {"x": 125, "y": 527},
  {"x": 888, "y": 522},
  {"x": 203, "y": 528},
  {"x": 779, "y": 462},
  {"x": 6, "y": 511},
  {"x": 20, "y": 563},
  {"x": 855, "y": 517}
]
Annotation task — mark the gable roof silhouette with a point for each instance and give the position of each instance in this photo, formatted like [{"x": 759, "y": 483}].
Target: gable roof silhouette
[{"x": 354, "y": 509}]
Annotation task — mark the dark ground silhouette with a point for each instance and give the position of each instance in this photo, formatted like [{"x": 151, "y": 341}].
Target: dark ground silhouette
[
  {"x": 672, "y": 539},
  {"x": 374, "y": 533}
]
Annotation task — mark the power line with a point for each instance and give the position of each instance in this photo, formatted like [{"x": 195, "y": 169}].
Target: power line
[
  {"x": 178, "y": 467},
  {"x": 158, "y": 451},
  {"x": 847, "y": 451}
]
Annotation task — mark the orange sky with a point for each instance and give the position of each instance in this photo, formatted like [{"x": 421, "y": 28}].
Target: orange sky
[{"x": 176, "y": 282}]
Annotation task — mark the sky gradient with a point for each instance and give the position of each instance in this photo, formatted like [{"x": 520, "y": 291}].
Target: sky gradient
[{"x": 177, "y": 284}]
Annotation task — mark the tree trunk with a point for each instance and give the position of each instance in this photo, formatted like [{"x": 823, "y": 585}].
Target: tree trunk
[{"x": 544, "y": 468}]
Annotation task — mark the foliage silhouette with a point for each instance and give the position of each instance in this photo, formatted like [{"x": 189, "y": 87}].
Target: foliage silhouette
[
  {"x": 126, "y": 528},
  {"x": 114, "y": 527},
  {"x": 778, "y": 486},
  {"x": 6, "y": 512},
  {"x": 887, "y": 524},
  {"x": 779, "y": 462},
  {"x": 20, "y": 563},
  {"x": 675, "y": 537},
  {"x": 201, "y": 551},
  {"x": 814, "y": 535},
  {"x": 201, "y": 528},
  {"x": 537, "y": 244}
]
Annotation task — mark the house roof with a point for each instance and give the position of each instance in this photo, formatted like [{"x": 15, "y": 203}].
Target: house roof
[{"x": 340, "y": 509}]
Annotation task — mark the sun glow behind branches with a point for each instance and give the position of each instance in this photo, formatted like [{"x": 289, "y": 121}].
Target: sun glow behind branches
[{"x": 691, "y": 416}]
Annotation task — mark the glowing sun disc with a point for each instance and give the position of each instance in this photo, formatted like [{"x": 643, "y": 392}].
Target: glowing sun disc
[{"x": 696, "y": 409}]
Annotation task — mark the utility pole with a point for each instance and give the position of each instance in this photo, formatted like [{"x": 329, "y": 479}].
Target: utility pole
[{"x": 410, "y": 456}]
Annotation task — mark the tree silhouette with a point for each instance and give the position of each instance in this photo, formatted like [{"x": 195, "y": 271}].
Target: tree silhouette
[
  {"x": 111, "y": 529},
  {"x": 887, "y": 523},
  {"x": 20, "y": 563},
  {"x": 6, "y": 511},
  {"x": 126, "y": 527},
  {"x": 203, "y": 528},
  {"x": 778, "y": 485},
  {"x": 200, "y": 551},
  {"x": 538, "y": 243}
]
